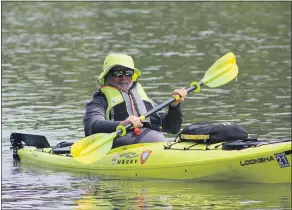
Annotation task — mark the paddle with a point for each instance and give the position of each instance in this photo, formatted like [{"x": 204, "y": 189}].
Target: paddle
[{"x": 92, "y": 148}]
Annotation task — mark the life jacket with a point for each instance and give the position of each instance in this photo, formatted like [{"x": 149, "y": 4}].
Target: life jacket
[{"x": 122, "y": 104}]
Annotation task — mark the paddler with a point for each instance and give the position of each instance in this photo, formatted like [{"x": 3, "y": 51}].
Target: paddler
[{"x": 121, "y": 99}]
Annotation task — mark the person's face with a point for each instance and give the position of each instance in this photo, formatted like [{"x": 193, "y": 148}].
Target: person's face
[{"x": 120, "y": 77}]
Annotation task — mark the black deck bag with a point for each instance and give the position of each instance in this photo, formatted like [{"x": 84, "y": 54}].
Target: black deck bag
[{"x": 213, "y": 132}]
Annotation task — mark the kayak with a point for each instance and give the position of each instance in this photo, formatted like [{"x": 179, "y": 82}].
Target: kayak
[{"x": 247, "y": 160}]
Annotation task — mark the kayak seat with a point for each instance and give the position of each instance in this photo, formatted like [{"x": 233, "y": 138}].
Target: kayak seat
[{"x": 62, "y": 148}]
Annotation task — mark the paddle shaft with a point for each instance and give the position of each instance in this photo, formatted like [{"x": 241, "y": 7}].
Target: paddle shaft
[{"x": 161, "y": 106}]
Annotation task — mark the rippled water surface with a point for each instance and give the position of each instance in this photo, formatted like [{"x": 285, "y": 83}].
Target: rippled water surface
[{"x": 52, "y": 53}]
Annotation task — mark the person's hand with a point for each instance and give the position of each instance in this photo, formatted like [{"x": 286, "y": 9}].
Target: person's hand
[
  {"x": 135, "y": 121},
  {"x": 178, "y": 92}
]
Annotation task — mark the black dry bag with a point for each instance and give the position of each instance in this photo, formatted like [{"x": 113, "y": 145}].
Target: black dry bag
[{"x": 213, "y": 132}]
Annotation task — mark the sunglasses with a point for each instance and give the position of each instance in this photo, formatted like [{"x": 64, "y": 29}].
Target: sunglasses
[{"x": 120, "y": 73}]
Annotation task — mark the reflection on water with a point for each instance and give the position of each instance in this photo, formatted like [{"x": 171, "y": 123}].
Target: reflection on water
[
  {"x": 52, "y": 53},
  {"x": 184, "y": 195},
  {"x": 59, "y": 190}
]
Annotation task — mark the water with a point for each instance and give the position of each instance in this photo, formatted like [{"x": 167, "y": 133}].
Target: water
[{"x": 52, "y": 52}]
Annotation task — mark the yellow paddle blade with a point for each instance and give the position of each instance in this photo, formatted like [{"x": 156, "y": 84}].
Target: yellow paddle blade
[
  {"x": 96, "y": 151},
  {"x": 221, "y": 72},
  {"x": 90, "y": 143}
]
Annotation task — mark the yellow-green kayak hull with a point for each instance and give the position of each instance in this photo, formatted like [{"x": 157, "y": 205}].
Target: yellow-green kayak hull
[{"x": 270, "y": 163}]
